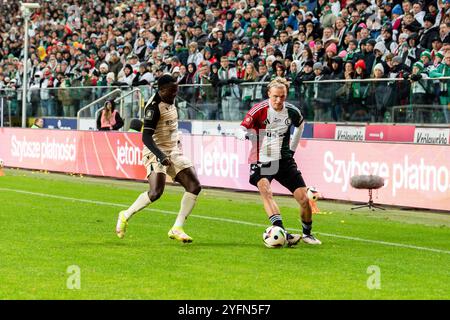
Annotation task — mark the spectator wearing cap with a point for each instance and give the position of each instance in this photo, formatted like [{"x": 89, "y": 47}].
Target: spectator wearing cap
[
  {"x": 412, "y": 55},
  {"x": 358, "y": 110},
  {"x": 402, "y": 44},
  {"x": 429, "y": 32},
  {"x": 438, "y": 59},
  {"x": 352, "y": 50},
  {"x": 327, "y": 18},
  {"x": 133, "y": 60},
  {"x": 425, "y": 57},
  {"x": 386, "y": 34},
  {"x": 255, "y": 55},
  {"x": 238, "y": 30},
  {"x": 397, "y": 16},
  {"x": 437, "y": 45},
  {"x": 101, "y": 56},
  {"x": 181, "y": 52},
  {"x": 321, "y": 94},
  {"x": 422, "y": 92},
  {"x": 379, "y": 95},
  {"x": 115, "y": 65},
  {"x": 368, "y": 55},
  {"x": 400, "y": 92}
]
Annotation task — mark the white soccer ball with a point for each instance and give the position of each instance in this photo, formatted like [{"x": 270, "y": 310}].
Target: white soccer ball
[
  {"x": 312, "y": 194},
  {"x": 274, "y": 237}
]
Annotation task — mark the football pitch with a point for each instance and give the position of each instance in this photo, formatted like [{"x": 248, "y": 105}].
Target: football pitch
[{"x": 57, "y": 241}]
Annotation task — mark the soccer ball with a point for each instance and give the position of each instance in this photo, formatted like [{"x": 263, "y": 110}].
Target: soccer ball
[
  {"x": 274, "y": 237},
  {"x": 312, "y": 193}
]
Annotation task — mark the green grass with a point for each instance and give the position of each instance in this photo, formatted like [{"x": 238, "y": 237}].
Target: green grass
[{"x": 41, "y": 236}]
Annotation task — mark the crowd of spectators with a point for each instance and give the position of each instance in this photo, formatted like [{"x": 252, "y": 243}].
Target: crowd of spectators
[{"x": 226, "y": 43}]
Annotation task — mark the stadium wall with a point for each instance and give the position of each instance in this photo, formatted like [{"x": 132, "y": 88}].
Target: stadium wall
[{"x": 416, "y": 175}]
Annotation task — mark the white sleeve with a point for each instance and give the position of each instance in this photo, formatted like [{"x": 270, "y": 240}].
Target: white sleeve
[
  {"x": 298, "y": 131},
  {"x": 240, "y": 133}
]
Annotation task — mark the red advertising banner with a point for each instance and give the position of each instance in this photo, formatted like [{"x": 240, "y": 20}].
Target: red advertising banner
[
  {"x": 324, "y": 131},
  {"x": 390, "y": 133},
  {"x": 87, "y": 152},
  {"x": 415, "y": 175}
]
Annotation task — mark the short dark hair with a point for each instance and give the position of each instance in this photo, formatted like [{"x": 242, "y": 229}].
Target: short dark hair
[{"x": 165, "y": 79}]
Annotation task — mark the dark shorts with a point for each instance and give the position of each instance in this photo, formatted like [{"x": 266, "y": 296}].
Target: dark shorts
[{"x": 284, "y": 171}]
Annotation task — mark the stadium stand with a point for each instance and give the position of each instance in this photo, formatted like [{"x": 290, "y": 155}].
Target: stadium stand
[{"x": 132, "y": 43}]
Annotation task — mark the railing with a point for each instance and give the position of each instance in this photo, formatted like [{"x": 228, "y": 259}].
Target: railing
[{"x": 368, "y": 100}]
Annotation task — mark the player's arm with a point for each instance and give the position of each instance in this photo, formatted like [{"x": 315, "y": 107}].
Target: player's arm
[
  {"x": 299, "y": 126},
  {"x": 151, "y": 118},
  {"x": 246, "y": 129}
]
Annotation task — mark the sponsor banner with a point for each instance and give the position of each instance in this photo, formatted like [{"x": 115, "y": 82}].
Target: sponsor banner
[
  {"x": 60, "y": 123},
  {"x": 350, "y": 133},
  {"x": 185, "y": 126},
  {"x": 390, "y": 133},
  {"x": 214, "y": 128},
  {"x": 88, "y": 124},
  {"x": 416, "y": 175},
  {"x": 432, "y": 136},
  {"x": 308, "y": 131},
  {"x": 111, "y": 154},
  {"x": 324, "y": 131}
]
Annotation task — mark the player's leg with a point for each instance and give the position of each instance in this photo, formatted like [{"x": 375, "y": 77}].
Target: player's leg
[
  {"x": 306, "y": 215},
  {"x": 157, "y": 182},
  {"x": 262, "y": 182},
  {"x": 272, "y": 209},
  {"x": 291, "y": 178},
  {"x": 185, "y": 175}
]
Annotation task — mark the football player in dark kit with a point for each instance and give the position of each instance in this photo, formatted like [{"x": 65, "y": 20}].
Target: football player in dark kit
[{"x": 162, "y": 156}]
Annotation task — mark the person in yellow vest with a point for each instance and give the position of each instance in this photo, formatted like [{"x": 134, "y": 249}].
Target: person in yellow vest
[
  {"x": 109, "y": 118},
  {"x": 38, "y": 123}
]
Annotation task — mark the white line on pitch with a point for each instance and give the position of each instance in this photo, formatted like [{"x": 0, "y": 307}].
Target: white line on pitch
[{"x": 393, "y": 244}]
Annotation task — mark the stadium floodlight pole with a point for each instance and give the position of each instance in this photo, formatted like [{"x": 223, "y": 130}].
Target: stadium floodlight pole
[{"x": 26, "y": 12}]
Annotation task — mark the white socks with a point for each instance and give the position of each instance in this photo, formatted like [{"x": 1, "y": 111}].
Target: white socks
[
  {"x": 187, "y": 204},
  {"x": 141, "y": 202}
]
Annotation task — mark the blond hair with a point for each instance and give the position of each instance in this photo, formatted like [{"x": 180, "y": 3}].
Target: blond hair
[{"x": 278, "y": 82}]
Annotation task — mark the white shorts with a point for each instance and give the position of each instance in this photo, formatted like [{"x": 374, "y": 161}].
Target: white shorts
[{"x": 179, "y": 163}]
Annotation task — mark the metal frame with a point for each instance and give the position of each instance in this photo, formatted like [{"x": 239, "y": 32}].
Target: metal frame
[
  {"x": 93, "y": 103},
  {"x": 370, "y": 204}
]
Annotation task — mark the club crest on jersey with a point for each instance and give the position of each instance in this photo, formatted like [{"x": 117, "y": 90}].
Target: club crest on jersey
[
  {"x": 288, "y": 121},
  {"x": 149, "y": 114}
]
